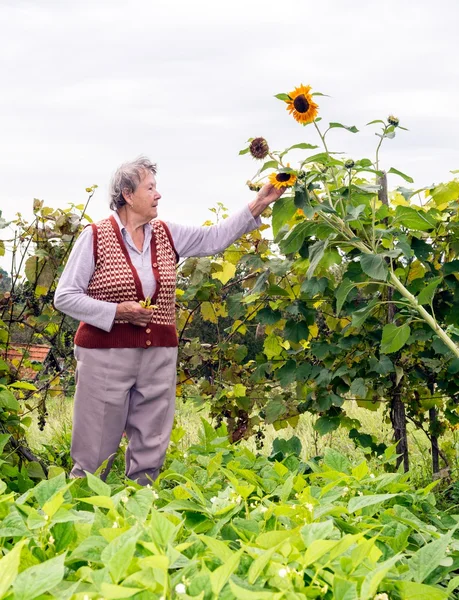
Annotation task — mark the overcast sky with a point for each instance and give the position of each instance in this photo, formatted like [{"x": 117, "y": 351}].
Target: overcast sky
[{"x": 87, "y": 85}]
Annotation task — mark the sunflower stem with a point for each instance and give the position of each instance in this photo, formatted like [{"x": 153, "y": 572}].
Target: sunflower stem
[{"x": 426, "y": 317}]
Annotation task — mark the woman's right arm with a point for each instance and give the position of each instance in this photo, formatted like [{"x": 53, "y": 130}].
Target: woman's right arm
[{"x": 71, "y": 297}]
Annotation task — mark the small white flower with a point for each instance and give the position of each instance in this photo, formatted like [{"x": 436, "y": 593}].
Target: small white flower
[
  {"x": 344, "y": 491},
  {"x": 180, "y": 588},
  {"x": 148, "y": 486},
  {"x": 283, "y": 572},
  {"x": 51, "y": 539},
  {"x": 309, "y": 506},
  {"x": 86, "y": 597},
  {"x": 263, "y": 509},
  {"x": 46, "y": 517},
  {"x": 253, "y": 505},
  {"x": 115, "y": 525},
  {"x": 238, "y": 499},
  {"x": 448, "y": 550},
  {"x": 372, "y": 475},
  {"x": 155, "y": 495},
  {"x": 213, "y": 499},
  {"x": 124, "y": 499},
  {"x": 382, "y": 596},
  {"x": 185, "y": 455},
  {"x": 359, "y": 493}
]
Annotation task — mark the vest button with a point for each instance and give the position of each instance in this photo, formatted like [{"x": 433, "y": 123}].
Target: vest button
[
  {"x": 147, "y": 330},
  {"x": 148, "y": 343},
  {"x": 155, "y": 265}
]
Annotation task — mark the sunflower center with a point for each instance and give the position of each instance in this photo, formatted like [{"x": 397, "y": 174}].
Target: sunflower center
[
  {"x": 282, "y": 177},
  {"x": 301, "y": 104}
]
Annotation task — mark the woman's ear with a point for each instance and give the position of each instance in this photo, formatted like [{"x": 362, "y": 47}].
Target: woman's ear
[{"x": 127, "y": 194}]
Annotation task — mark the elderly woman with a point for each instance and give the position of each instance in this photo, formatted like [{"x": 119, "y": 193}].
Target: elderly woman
[{"x": 126, "y": 354}]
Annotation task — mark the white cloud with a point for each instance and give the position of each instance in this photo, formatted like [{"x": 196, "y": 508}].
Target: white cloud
[{"x": 88, "y": 85}]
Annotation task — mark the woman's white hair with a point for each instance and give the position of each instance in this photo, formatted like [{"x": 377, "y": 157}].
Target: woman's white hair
[{"x": 126, "y": 179}]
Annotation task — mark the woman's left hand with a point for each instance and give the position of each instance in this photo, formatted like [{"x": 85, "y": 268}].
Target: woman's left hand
[
  {"x": 266, "y": 196},
  {"x": 269, "y": 194}
]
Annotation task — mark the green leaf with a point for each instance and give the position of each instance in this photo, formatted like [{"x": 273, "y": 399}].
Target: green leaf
[
  {"x": 46, "y": 489},
  {"x": 375, "y": 576},
  {"x": 374, "y": 265},
  {"x": 414, "y": 219},
  {"x": 296, "y": 331},
  {"x": 445, "y": 192},
  {"x": 344, "y": 589},
  {"x": 3, "y": 365},
  {"x": 296, "y": 237},
  {"x": 428, "y": 558},
  {"x": 426, "y": 295},
  {"x": 274, "y": 409},
  {"x": 9, "y": 566},
  {"x": 316, "y": 531},
  {"x": 316, "y": 550},
  {"x": 418, "y": 591},
  {"x": 283, "y": 211},
  {"x": 256, "y": 568},
  {"x": 358, "y": 502},
  {"x": 451, "y": 267},
  {"x": 8, "y": 401},
  {"x": 39, "y": 579},
  {"x": 312, "y": 287},
  {"x": 23, "y": 385},
  {"x": 242, "y": 593},
  {"x": 284, "y": 97},
  {"x": 270, "y": 164},
  {"x": 316, "y": 252},
  {"x": 272, "y": 346},
  {"x": 360, "y": 316},
  {"x": 342, "y": 293},
  {"x": 220, "y": 576},
  {"x": 400, "y": 174},
  {"x": 358, "y": 388},
  {"x": 111, "y": 591},
  {"x": 98, "y": 486},
  {"x": 352, "y": 128},
  {"x": 394, "y": 338},
  {"x": 302, "y": 146},
  {"x": 336, "y": 461},
  {"x": 119, "y": 553},
  {"x": 219, "y": 548},
  {"x": 325, "y": 424},
  {"x": 245, "y": 151}
]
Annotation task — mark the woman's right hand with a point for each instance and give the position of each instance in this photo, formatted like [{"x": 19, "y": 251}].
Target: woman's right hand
[{"x": 132, "y": 311}]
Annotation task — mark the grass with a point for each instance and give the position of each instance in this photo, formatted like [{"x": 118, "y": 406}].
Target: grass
[{"x": 57, "y": 435}]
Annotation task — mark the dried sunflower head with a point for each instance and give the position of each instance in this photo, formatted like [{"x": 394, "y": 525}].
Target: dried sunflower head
[{"x": 259, "y": 148}]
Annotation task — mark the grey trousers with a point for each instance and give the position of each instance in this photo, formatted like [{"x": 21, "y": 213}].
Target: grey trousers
[{"x": 117, "y": 390}]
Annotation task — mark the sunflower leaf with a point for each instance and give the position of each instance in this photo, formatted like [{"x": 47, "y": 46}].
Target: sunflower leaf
[
  {"x": 400, "y": 174},
  {"x": 352, "y": 128},
  {"x": 303, "y": 146},
  {"x": 270, "y": 164},
  {"x": 244, "y": 151},
  {"x": 376, "y": 121},
  {"x": 284, "y": 97}
]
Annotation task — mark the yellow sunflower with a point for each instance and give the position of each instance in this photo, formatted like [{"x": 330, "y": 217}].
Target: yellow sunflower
[
  {"x": 281, "y": 180},
  {"x": 301, "y": 105}
]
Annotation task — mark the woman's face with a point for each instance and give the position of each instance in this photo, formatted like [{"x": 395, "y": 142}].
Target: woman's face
[{"x": 144, "y": 201}]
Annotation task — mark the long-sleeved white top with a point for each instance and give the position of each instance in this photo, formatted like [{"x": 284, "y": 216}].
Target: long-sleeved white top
[{"x": 71, "y": 297}]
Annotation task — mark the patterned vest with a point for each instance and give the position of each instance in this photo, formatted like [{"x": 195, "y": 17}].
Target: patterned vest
[{"x": 115, "y": 279}]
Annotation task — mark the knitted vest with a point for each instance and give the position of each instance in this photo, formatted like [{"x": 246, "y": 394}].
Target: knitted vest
[{"x": 115, "y": 279}]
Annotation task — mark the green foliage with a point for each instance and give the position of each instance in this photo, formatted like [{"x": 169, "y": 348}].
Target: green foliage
[{"x": 223, "y": 522}]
